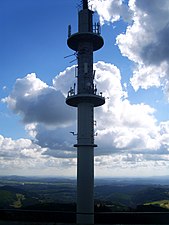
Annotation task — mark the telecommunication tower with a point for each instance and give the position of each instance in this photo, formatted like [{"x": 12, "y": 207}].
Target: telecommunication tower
[{"x": 85, "y": 98}]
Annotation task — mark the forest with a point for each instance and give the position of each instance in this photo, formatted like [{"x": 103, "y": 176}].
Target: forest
[{"x": 55, "y": 198}]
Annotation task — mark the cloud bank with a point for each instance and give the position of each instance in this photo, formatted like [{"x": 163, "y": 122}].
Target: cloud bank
[
  {"x": 37, "y": 102},
  {"x": 145, "y": 41},
  {"x": 128, "y": 134}
]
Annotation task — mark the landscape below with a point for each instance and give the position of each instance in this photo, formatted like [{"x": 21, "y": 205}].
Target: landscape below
[{"x": 56, "y": 197}]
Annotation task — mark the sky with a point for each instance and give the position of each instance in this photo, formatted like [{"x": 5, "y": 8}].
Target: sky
[{"x": 132, "y": 72}]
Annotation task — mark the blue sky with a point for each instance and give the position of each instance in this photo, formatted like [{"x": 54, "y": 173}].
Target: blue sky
[
  {"x": 131, "y": 69},
  {"x": 33, "y": 40}
]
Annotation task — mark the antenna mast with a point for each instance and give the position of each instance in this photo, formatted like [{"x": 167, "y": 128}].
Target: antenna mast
[
  {"x": 85, "y": 98},
  {"x": 85, "y": 4}
]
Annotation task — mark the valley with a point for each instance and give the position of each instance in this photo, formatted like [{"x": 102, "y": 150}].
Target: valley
[{"x": 111, "y": 194}]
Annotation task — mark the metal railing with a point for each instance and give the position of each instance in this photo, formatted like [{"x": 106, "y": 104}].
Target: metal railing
[{"x": 100, "y": 217}]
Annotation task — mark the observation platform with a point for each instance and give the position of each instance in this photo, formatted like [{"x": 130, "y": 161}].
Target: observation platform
[
  {"x": 95, "y": 100},
  {"x": 94, "y": 38},
  {"x": 32, "y": 217}
]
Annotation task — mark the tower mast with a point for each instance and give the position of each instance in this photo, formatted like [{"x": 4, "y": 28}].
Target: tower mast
[{"x": 85, "y": 98}]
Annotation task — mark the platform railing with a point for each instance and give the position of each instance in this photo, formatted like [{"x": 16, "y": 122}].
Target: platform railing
[{"x": 70, "y": 217}]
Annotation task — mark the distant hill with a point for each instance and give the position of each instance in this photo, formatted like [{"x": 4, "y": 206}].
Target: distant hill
[
  {"x": 112, "y": 195},
  {"x": 131, "y": 195}
]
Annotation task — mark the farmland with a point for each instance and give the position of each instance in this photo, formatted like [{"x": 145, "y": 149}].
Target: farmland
[{"x": 60, "y": 194}]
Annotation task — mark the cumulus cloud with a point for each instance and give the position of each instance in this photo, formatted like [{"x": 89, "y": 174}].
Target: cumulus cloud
[
  {"x": 127, "y": 132},
  {"x": 133, "y": 164},
  {"x": 65, "y": 80},
  {"x": 37, "y": 102},
  {"x": 19, "y": 154},
  {"x": 120, "y": 124},
  {"x": 145, "y": 41},
  {"x": 22, "y": 148},
  {"x": 47, "y": 118},
  {"x": 22, "y": 156},
  {"x": 148, "y": 76},
  {"x": 111, "y": 10},
  {"x": 59, "y": 141}
]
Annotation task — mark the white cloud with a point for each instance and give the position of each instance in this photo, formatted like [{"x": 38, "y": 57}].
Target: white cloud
[
  {"x": 148, "y": 33},
  {"x": 20, "y": 148},
  {"x": 126, "y": 132},
  {"x": 57, "y": 139},
  {"x": 65, "y": 80},
  {"x": 128, "y": 164},
  {"x": 35, "y": 101},
  {"x": 111, "y": 10},
  {"x": 145, "y": 41},
  {"x": 23, "y": 157},
  {"x": 148, "y": 76},
  {"x": 120, "y": 124}
]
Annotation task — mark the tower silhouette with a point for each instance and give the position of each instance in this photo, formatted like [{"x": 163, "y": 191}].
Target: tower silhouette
[{"x": 85, "y": 98}]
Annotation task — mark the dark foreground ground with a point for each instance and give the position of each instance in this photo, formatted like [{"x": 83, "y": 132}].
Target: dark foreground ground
[
  {"x": 52, "y": 217},
  {"x": 30, "y": 223}
]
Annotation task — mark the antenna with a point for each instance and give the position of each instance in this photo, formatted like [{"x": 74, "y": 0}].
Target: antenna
[
  {"x": 69, "y": 31},
  {"x": 85, "y": 4},
  {"x": 74, "y": 54}
]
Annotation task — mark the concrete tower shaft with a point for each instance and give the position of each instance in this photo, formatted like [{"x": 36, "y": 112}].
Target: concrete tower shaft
[{"x": 85, "y": 98}]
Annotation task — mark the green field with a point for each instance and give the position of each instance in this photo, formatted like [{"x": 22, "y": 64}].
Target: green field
[
  {"x": 162, "y": 203},
  {"x": 52, "y": 193}
]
